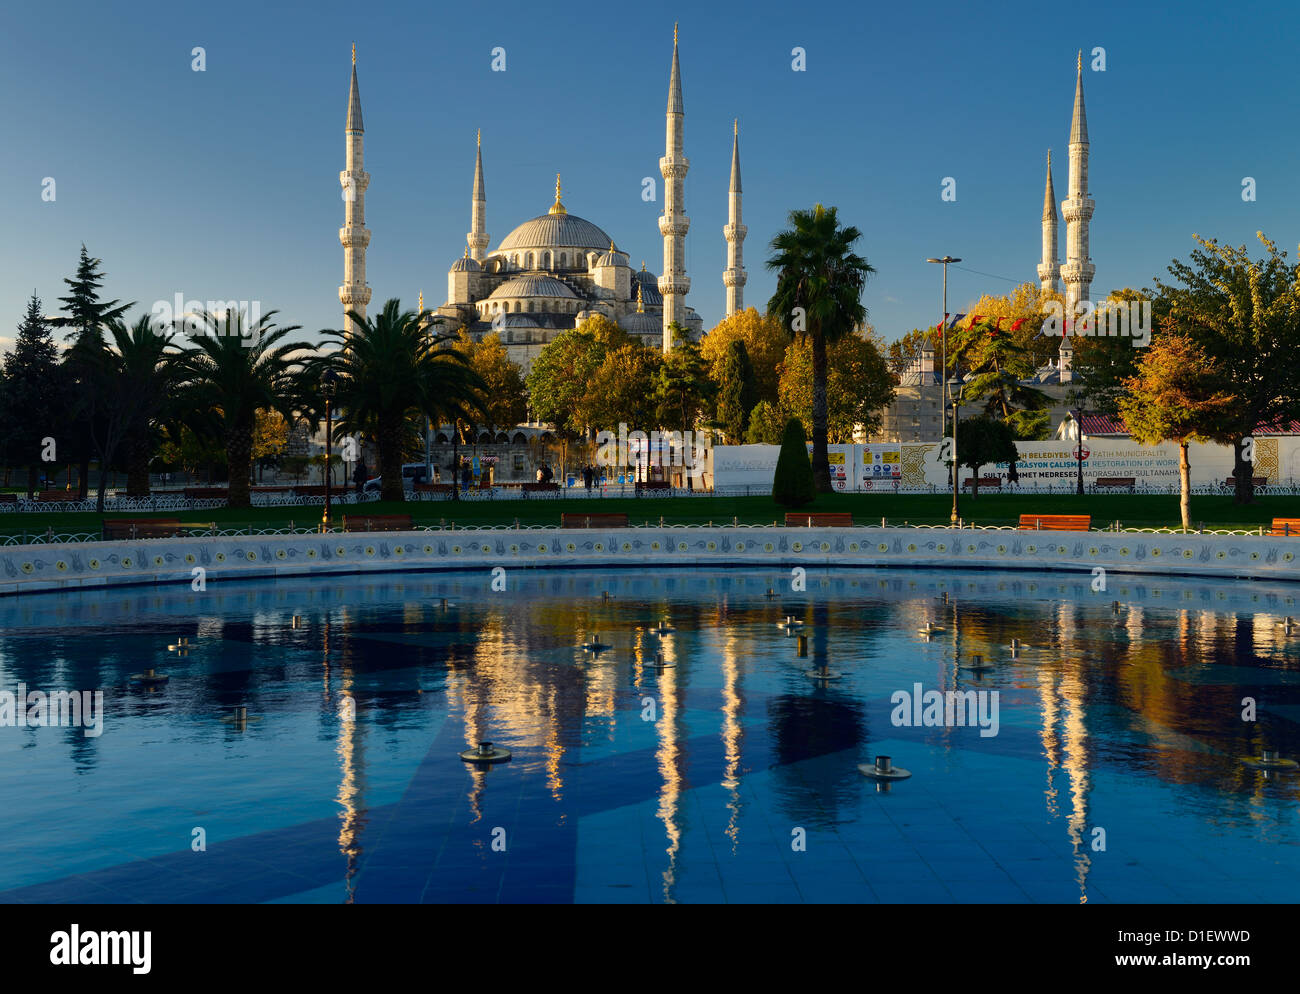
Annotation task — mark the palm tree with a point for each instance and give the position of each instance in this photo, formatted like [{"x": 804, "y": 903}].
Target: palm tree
[
  {"x": 819, "y": 286},
  {"x": 392, "y": 373},
  {"x": 234, "y": 371},
  {"x": 144, "y": 373}
]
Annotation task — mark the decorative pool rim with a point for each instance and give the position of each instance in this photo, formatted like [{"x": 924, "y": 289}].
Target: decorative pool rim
[{"x": 50, "y": 568}]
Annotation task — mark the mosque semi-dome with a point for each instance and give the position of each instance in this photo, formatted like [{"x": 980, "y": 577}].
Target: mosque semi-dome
[
  {"x": 533, "y": 285},
  {"x": 466, "y": 265},
  {"x": 641, "y": 324},
  {"x": 550, "y": 231}
]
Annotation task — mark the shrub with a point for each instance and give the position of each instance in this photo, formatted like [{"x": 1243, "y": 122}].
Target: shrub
[{"x": 792, "y": 485}]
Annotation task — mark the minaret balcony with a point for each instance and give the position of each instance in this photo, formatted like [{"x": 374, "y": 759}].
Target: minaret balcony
[
  {"x": 354, "y": 237},
  {"x": 734, "y": 232},
  {"x": 734, "y": 277},
  {"x": 674, "y": 224},
  {"x": 679, "y": 285},
  {"x": 674, "y": 166},
  {"x": 354, "y": 180}
]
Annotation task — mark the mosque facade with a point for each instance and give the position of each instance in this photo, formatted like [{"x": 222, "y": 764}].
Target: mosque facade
[{"x": 555, "y": 270}]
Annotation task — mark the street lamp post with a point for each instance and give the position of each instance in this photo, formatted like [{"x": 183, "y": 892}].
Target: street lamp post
[
  {"x": 1078, "y": 452},
  {"x": 943, "y": 334},
  {"x": 955, "y": 466},
  {"x": 327, "y": 383}
]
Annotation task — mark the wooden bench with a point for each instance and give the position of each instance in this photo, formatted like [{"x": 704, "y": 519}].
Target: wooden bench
[
  {"x": 115, "y": 528},
  {"x": 58, "y": 496},
  {"x": 1109, "y": 482},
  {"x": 593, "y": 520},
  {"x": 985, "y": 481},
  {"x": 535, "y": 487},
  {"x": 206, "y": 493},
  {"x": 1259, "y": 481},
  {"x": 1056, "y": 522},
  {"x": 434, "y": 488},
  {"x": 1286, "y": 526},
  {"x": 317, "y": 490},
  {"x": 655, "y": 485},
  {"x": 377, "y": 523},
  {"x": 8, "y": 498},
  {"x": 818, "y": 519}
]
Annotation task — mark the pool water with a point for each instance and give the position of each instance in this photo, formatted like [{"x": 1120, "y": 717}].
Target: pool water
[{"x": 1116, "y": 773}]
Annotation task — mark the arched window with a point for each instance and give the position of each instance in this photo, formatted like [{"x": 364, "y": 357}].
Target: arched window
[
  {"x": 546, "y": 263},
  {"x": 528, "y": 260},
  {"x": 519, "y": 438},
  {"x": 564, "y": 260}
]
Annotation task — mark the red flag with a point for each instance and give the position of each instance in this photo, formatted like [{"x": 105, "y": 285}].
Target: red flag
[
  {"x": 976, "y": 319},
  {"x": 1015, "y": 325}
]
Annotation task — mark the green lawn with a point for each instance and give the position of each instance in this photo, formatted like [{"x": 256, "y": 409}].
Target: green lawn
[{"x": 988, "y": 509}]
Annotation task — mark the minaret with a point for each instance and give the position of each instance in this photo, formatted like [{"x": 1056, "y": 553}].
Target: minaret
[
  {"x": 1050, "y": 268},
  {"x": 354, "y": 294},
  {"x": 674, "y": 223},
  {"x": 1077, "y": 209},
  {"x": 478, "y": 238},
  {"x": 734, "y": 231}
]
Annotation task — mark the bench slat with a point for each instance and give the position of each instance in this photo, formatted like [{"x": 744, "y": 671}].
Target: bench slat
[
  {"x": 377, "y": 523},
  {"x": 818, "y": 519},
  {"x": 1056, "y": 522},
  {"x": 608, "y": 520}
]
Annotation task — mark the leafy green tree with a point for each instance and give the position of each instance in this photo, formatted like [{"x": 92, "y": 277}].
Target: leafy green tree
[
  {"x": 683, "y": 388},
  {"x": 983, "y": 440},
  {"x": 859, "y": 385},
  {"x": 233, "y": 370},
  {"x": 558, "y": 380},
  {"x": 36, "y": 393},
  {"x": 792, "y": 484},
  {"x": 766, "y": 424},
  {"x": 1102, "y": 363},
  {"x": 393, "y": 372},
  {"x": 819, "y": 285},
  {"x": 1179, "y": 394},
  {"x": 736, "y": 391},
  {"x": 765, "y": 339},
  {"x": 622, "y": 390},
  {"x": 502, "y": 396},
  {"x": 87, "y": 316},
  {"x": 1244, "y": 314},
  {"x": 997, "y": 364}
]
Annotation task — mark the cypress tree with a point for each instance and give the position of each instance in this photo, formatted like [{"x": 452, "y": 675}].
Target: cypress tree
[
  {"x": 86, "y": 315},
  {"x": 35, "y": 395},
  {"x": 792, "y": 484}
]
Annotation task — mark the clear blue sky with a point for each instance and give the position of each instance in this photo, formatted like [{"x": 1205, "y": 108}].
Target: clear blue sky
[{"x": 224, "y": 184}]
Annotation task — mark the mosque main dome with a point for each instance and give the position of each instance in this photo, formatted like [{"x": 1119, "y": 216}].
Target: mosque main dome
[{"x": 553, "y": 231}]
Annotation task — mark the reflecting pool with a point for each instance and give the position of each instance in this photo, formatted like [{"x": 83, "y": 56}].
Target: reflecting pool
[{"x": 1105, "y": 761}]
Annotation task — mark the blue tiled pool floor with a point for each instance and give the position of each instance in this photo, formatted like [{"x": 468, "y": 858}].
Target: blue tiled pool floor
[{"x": 1115, "y": 775}]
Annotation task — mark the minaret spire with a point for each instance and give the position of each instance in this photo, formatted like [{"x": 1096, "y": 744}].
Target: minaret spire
[
  {"x": 354, "y": 294},
  {"x": 477, "y": 239},
  {"x": 1049, "y": 269},
  {"x": 734, "y": 232},
  {"x": 673, "y": 224},
  {"x": 1077, "y": 208}
]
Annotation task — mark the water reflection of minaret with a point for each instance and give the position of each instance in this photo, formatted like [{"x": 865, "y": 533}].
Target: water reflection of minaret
[
  {"x": 1065, "y": 738},
  {"x": 668, "y": 753},
  {"x": 732, "y": 733},
  {"x": 351, "y": 756}
]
